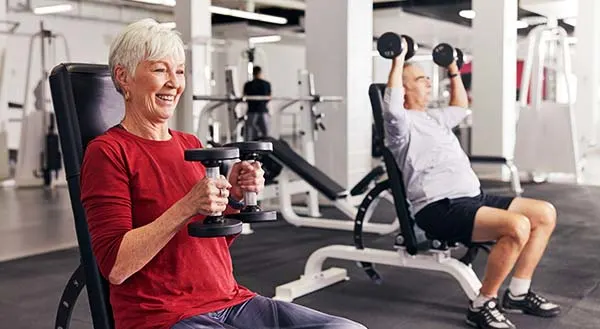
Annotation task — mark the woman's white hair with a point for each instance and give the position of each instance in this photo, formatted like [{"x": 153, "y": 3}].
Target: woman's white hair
[{"x": 145, "y": 39}]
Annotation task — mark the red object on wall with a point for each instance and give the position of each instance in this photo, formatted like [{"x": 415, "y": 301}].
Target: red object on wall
[
  {"x": 467, "y": 69},
  {"x": 520, "y": 65}
]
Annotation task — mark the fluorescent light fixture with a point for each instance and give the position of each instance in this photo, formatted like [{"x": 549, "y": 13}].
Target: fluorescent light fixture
[
  {"x": 170, "y": 3},
  {"x": 570, "y": 21},
  {"x": 170, "y": 25},
  {"x": 227, "y": 12},
  {"x": 521, "y": 24},
  {"x": 264, "y": 39},
  {"x": 52, "y": 9},
  {"x": 248, "y": 15},
  {"x": 469, "y": 14}
]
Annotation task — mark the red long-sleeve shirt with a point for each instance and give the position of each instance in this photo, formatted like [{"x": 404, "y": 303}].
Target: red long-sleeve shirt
[{"x": 127, "y": 182}]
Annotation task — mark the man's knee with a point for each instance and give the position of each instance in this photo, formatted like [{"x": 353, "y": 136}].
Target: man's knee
[
  {"x": 519, "y": 228},
  {"x": 547, "y": 214}
]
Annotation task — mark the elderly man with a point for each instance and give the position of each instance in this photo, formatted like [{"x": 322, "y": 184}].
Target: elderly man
[{"x": 448, "y": 203}]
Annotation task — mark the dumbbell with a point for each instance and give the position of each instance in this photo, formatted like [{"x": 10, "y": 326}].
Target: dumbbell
[
  {"x": 214, "y": 225},
  {"x": 389, "y": 45},
  {"x": 251, "y": 213},
  {"x": 443, "y": 55}
]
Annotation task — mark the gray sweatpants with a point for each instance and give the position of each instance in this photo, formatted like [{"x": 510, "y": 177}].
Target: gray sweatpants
[{"x": 257, "y": 125}]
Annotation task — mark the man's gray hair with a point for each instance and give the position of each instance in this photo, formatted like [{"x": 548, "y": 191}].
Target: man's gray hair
[{"x": 145, "y": 39}]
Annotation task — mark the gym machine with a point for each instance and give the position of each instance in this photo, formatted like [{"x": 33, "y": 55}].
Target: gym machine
[
  {"x": 39, "y": 158},
  {"x": 5, "y": 167},
  {"x": 209, "y": 129},
  {"x": 389, "y": 46},
  {"x": 546, "y": 133}
]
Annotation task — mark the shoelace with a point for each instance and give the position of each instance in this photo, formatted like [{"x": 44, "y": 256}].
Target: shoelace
[
  {"x": 536, "y": 299},
  {"x": 493, "y": 313}
]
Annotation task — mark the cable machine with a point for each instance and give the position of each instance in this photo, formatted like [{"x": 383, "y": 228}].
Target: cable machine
[
  {"x": 39, "y": 160},
  {"x": 546, "y": 135}
]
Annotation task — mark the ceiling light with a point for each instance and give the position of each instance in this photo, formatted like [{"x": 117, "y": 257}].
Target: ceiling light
[
  {"x": 570, "y": 21},
  {"x": 52, "y": 9},
  {"x": 227, "y": 12},
  {"x": 469, "y": 14},
  {"x": 170, "y": 3},
  {"x": 248, "y": 15},
  {"x": 264, "y": 39},
  {"x": 521, "y": 24}
]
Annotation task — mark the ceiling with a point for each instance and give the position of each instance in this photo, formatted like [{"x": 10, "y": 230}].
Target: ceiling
[{"x": 442, "y": 10}]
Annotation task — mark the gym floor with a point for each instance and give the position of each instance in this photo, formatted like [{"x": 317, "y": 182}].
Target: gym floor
[{"x": 35, "y": 220}]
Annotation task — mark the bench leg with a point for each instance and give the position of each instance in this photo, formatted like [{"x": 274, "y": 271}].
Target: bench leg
[{"x": 69, "y": 298}]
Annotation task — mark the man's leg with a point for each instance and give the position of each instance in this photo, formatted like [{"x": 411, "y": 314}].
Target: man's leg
[
  {"x": 263, "y": 124},
  {"x": 263, "y": 312},
  {"x": 519, "y": 297},
  {"x": 511, "y": 233},
  {"x": 542, "y": 216},
  {"x": 250, "y": 127}
]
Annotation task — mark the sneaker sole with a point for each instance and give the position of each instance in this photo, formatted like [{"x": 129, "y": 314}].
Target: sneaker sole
[
  {"x": 513, "y": 310},
  {"x": 519, "y": 311},
  {"x": 471, "y": 323}
]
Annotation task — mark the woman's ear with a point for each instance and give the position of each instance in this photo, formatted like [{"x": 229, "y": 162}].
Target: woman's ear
[{"x": 122, "y": 77}]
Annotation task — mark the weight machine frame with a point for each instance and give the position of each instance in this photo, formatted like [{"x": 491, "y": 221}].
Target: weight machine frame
[{"x": 533, "y": 120}]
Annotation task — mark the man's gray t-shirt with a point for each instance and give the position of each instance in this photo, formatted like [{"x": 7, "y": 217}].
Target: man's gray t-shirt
[{"x": 433, "y": 164}]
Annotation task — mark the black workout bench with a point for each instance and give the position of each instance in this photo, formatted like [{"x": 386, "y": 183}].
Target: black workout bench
[{"x": 86, "y": 104}]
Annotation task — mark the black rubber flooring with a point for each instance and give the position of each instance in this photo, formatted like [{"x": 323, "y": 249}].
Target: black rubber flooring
[{"x": 569, "y": 274}]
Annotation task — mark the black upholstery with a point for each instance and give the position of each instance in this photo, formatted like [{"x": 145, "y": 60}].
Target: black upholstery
[
  {"x": 283, "y": 153},
  {"x": 86, "y": 104},
  {"x": 414, "y": 237}
]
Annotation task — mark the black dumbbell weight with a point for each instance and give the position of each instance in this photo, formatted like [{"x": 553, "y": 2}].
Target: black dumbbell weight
[
  {"x": 214, "y": 225},
  {"x": 444, "y": 54},
  {"x": 251, "y": 213},
  {"x": 389, "y": 45}
]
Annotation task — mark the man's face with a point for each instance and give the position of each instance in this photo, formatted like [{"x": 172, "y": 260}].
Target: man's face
[{"x": 417, "y": 86}]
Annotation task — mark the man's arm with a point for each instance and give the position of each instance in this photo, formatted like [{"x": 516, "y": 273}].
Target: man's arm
[
  {"x": 394, "y": 114},
  {"x": 458, "y": 93}
]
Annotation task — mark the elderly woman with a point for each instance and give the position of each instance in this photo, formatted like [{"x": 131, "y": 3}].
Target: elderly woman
[{"x": 139, "y": 193}]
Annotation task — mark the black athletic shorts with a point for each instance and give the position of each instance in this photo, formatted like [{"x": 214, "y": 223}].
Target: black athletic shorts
[{"x": 454, "y": 219}]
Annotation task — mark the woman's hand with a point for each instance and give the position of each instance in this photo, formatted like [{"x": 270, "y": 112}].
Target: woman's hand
[
  {"x": 246, "y": 177},
  {"x": 208, "y": 196}
]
